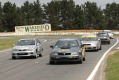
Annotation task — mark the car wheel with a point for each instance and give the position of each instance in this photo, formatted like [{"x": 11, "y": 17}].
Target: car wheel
[
  {"x": 84, "y": 59},
  {"x": 35, "y": 56},
  {"x": 40, "y": 55},
  {"x": 13, "y": 57},
  {"x": 109, "y": 42},
  {"x": 96, "y": 49},
  {"x": 100, "y": 48},
  {"x": 51, "y": 62},
  {"x": 80, "y": 61}
]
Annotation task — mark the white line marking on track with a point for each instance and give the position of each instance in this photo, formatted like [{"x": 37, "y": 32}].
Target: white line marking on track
[{"x": 91, "y": 77}]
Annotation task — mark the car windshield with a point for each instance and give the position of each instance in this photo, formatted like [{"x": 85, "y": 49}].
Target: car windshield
[
  {"x": 67, "y": 43},
  {"x": 102, "y": 35},
  {"x": 89, "y": 39},
  {"x": 25, "y": 42}
]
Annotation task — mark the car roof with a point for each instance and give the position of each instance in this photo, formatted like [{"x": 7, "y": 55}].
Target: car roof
[{"x": 68, "y": 39}]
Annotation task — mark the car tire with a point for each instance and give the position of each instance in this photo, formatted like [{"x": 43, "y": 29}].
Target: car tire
[
  {"x": 80, "y": 61},
  {"x": 84, "y": 59},
  {"x": 51, "y": 62},
  {"x": 109, "y": 42},
  {"x": 100, "y": 48},
  {"x": 13, "y": 57},
  {"x": 40, "y": 55},
  {"x": 35, "y": 56}
]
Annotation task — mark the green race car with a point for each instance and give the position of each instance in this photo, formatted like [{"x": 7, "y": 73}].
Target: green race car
[{"x": 66, "y": 50}]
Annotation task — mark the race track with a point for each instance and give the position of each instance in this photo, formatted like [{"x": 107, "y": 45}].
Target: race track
[{"x": 40, "y": 69}]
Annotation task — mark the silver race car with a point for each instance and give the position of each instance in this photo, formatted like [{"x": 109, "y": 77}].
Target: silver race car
[
  {"x": 67, "y": 50},
  {"x": 27, "y": 47},
  {"x": 91, "y": 43}
]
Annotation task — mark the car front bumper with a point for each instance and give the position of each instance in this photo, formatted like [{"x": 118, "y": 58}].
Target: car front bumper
[
  {"x": 23, "y": 54},
  {"x": 91, "y": 48},
  {"x": 104, "y": 40},
  {"x": 65, "y": 58}
]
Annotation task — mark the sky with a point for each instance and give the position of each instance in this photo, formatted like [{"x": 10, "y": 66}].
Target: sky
[{"x": 100, "y": 3}]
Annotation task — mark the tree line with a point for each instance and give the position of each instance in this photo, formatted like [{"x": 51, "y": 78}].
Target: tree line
[{"x": 61, "y": 14}]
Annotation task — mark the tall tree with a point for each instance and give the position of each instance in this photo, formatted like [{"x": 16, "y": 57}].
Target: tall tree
[
  {"x": 27, "y": 12},
  {"x": 37, "y": 13},
  {"x": 60, "y": 12},
  {"x": 1, "y": 18},
  {"x": 79, "y": 18},
  {"x": 9, "y": 15},
  {"x": 67, "y": 13},
  {"x": 112, "y": 16},
  {"x": 92, "y": 15},
  {"x": 20, "y": 17},
  {"x": 52, "y": 13}
]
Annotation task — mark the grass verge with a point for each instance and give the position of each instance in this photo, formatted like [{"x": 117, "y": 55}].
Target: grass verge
[
  {"x": 112, "y": 69},
  {"x": 7, "y": 43},
  {"x": 116, "y": 35}
]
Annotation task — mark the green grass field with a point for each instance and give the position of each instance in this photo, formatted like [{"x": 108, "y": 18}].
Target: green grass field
[
  {"x": 112, "y": 69},
  {"x": 116, "y": 35},
  {"x": 6, "y": 43}
]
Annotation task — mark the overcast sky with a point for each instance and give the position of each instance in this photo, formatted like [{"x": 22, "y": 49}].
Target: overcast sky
[{"x": 101, "y": 3}]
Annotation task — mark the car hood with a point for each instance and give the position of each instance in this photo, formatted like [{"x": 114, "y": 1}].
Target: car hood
[
  {"x": 89, "y": 42},
  {"x": 71, "y": 49},
  {"x": 24, "y": 47}
]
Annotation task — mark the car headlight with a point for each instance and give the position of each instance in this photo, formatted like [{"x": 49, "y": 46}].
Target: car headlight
[
  {"x": 15, "y": 50},
  {"x": 54, "y": 53},
  {"x": 75, "y": 53},
  {"x": 93, "y": 45}
]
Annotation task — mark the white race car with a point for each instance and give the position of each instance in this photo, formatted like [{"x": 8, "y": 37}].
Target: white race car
[
  {"x": 91, "y": 43},
  {"x": 27, "y": 47}
]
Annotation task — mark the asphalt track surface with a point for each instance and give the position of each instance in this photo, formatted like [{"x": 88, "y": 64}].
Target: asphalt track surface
[{"x": 40, "y": 69}]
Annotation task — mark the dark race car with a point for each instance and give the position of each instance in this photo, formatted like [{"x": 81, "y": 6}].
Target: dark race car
[
  {"x": 66, "y": 50},
  {"x": 104, "y": 37}
]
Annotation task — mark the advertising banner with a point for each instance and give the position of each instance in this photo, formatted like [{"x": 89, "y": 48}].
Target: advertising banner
[{"x": 33, "y": 28}]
